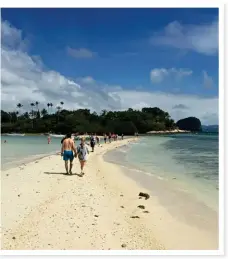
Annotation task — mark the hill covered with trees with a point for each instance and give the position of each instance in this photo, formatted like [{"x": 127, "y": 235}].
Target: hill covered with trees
[
  {"x": 190, "y": 123},
  {"x": 62, "y": 121}
]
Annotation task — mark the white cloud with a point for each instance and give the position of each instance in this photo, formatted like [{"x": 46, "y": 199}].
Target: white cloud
[
  {"x": 201, "y": 38},
  {"x": 157, "y": 75},
  {"x": 24, "y": 80},
  {"x": 203, "y": 108},
  {"x": 207, "y": 80},
  {"x": 80, "y": 53}
]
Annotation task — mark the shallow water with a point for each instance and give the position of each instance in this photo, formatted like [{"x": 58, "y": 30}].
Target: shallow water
[
  {"x": 190, "y": 161},
  {"x": 24, "y": 149}
]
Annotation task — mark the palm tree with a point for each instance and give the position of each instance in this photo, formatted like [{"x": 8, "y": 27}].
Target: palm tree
[
  {"x": 43, "y": 112},
  {"x": 48, "y": 105},
  {"x": 51, "y": 104},
  {"x": 62, "y": 103},
  {"x": 19, "y": 105},
  {"x": 37, "y": 105},
  {"x": 32, "y": 113}
]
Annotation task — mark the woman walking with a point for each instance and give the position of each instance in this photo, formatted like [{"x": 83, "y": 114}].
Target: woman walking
[
  {"x": 82, "y": 151},
  {"x": 92, "y": 142}
]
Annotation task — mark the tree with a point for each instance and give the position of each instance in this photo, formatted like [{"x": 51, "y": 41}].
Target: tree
[
  {"x": 82, "y": 120},
  {"x": 32, "y": 113},
  {"x": 190, "y": 123},
  {"x": 51, "y": 105},
  {"x": 44, "y": 112},
  {"x": 62, "y": 103},
  {"x": 48, "y": 105},
  {"x": 19, "y": 105}
]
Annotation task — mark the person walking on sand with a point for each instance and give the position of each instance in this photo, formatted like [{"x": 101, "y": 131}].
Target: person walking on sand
[
  {"x": 98, "y": 140},
  {"x": 105, "y": 138},
  {"x": 92, "y": 142},
  {"x": 67, "y": 150},
  {"x": 82, "y": 151},
  {"x": 110, "y": 137}
]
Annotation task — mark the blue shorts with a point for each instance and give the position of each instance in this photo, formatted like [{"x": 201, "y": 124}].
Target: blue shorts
[{"x": 68, "y": 155}]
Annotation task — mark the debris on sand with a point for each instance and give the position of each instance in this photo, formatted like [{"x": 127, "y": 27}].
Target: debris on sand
[
  {"x": 141, "y": 207},
  {"x": 96, "y": 216},
  {"x": 123, "y": 245},
  {"x": 145, "y": 195},
  {"x": 146, "y": 211},
  {"x": 122, "y": 207},
  {"x": 135, "y": 217}
]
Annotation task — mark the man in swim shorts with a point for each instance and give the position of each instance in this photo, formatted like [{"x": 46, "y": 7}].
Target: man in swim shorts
[{"x": 68, "y": 152}]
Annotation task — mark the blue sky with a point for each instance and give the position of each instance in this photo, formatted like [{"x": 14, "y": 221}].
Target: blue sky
[{"x": 114, "y": 53}]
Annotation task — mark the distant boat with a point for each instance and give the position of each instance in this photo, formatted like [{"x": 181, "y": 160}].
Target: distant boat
[
  {"x": 56, "y": 136},
  {"x": 15, "y": 134}
]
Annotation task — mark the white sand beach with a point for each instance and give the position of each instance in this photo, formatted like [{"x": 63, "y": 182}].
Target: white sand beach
[{"x": 42, "y": 208}]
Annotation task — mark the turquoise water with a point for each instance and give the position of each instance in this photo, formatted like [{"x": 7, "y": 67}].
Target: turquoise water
[
  {"x": 24, "y": 149},
  {"x": 191, "y": 160}
]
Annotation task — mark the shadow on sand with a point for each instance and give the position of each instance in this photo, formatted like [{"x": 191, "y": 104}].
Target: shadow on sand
[{"x": 79, "y": 175}]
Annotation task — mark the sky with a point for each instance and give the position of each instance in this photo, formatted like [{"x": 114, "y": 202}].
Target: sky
[{"x": 112, "y": 59}]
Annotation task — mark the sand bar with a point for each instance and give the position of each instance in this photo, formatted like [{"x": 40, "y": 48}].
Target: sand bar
[{"x": 42, "y": 208}]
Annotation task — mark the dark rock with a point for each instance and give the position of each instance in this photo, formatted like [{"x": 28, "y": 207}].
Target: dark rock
[
  {"x": 135, "y": 217},
  {"x": 7, "y": 174},
  {"x": 18, "y": 195},
  {"x": 123, "y": 245},
  {"x": 121, "y": 195},
  {"x": 96, "y": 216},
  {"x": 14, "y": 238},
  {"x": 145, "y": 195},
  {"x": 122, "y": 207},
  {"x": 146, "y": 211},
  {"x": 141, "y": 207}
]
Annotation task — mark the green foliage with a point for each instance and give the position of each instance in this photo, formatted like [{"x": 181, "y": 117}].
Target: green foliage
[
  {"x": 62, "y": 121},
  {"x": 190, "y": 123}
]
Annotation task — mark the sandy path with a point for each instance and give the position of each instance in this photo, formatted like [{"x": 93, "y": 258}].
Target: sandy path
[{"x": 44, "y": 209}]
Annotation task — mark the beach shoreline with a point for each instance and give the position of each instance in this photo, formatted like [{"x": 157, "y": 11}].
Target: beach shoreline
[{"x": 99, "y": 211}]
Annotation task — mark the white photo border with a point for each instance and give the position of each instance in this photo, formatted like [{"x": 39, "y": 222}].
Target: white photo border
[{"x": 222, "y": 97}]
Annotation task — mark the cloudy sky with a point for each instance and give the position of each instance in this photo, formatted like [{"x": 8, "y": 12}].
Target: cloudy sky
[{"x": 112, "y": 59}]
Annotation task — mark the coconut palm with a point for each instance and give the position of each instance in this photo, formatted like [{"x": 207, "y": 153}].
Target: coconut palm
[
  {"x": 19, "y": 106},
  {"x": 32, "y": 112},
  {"x": 37, "y": 105},
  {"x": 48, "y": 105},
  {"x": 51, "y": 105}
]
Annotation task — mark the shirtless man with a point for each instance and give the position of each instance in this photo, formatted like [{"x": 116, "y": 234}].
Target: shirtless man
[{"x": 67, "y": 152}]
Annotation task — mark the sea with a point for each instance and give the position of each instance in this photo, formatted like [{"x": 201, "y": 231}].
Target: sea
[
  {"x": 188, "y": 162},
  {"x": 23, "y": 149}
]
